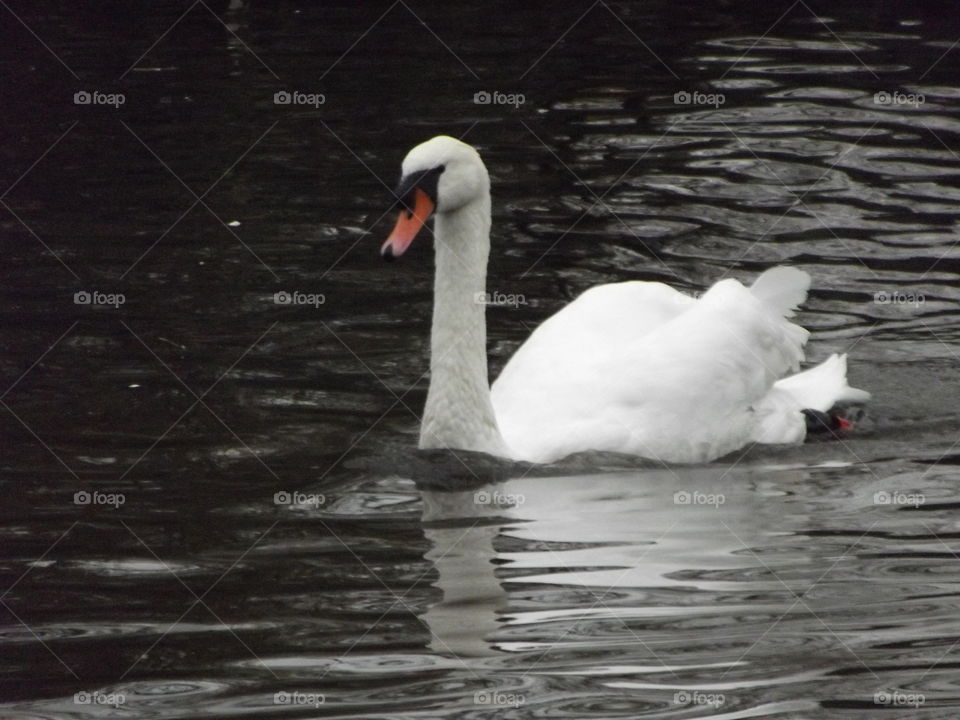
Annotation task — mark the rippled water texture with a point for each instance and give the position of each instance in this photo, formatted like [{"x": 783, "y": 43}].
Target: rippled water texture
[{"x": 212, "y": 504}]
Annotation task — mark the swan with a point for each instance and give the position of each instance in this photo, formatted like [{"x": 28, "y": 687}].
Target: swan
[{"x": 629, "y": 367}]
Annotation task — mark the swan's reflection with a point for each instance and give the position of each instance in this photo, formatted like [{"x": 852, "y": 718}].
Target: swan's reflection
[
  {"x": 651, "y": 528},
  {"x": 473, "y": 598}
]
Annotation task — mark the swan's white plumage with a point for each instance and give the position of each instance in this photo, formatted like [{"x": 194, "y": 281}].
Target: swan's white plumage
[
  {"x": 631, "y": 367},
  {"x": 821, "y": 387},
  {"x": 643, "y": 369},
  {"x": 782, "y": 289}
]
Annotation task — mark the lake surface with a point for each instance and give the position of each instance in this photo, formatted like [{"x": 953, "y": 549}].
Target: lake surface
[{"x": 212, "y": 502}]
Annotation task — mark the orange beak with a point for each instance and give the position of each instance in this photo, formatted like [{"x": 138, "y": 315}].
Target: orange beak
[{"x": 408, "y": 225}]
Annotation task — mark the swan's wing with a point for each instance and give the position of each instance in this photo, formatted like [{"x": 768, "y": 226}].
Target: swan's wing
[
  {"x": 821, "y": 387},
  {"x": 571, "y": 340},
  {"x": 681, "y": 390},
  {"x": 782, "y": 289}
]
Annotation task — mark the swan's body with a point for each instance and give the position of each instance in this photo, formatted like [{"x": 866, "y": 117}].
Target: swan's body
[{"x": 632, "y": 367}]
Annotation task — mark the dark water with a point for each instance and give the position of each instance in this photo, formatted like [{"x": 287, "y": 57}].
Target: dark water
[{"x": 814, "y": 582}]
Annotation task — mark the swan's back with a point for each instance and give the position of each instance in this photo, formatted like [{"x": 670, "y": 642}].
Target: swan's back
[{"x": 643, "y": 369}]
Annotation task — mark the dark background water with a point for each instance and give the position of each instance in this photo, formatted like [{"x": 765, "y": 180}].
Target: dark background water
[{"x": 391, "y": 588}]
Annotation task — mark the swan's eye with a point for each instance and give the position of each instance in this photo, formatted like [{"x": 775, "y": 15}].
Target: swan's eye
[
  {"x": 425, "y": 180},
  {"x": 406, "y": 202}
]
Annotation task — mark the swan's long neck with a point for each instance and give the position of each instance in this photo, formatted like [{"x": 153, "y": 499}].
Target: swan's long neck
[{"x": 458, "y": 413}]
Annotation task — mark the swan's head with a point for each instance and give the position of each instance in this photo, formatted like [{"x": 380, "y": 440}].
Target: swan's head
[{"x": 440, "y": 175}]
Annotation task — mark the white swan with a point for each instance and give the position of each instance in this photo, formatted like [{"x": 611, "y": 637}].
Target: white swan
[{"x": 630, "y": 367}]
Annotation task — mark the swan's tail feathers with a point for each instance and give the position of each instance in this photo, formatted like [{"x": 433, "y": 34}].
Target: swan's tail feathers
[
  {"x": 782, "y": 289},
  {"x": 823, "y": 386}
]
